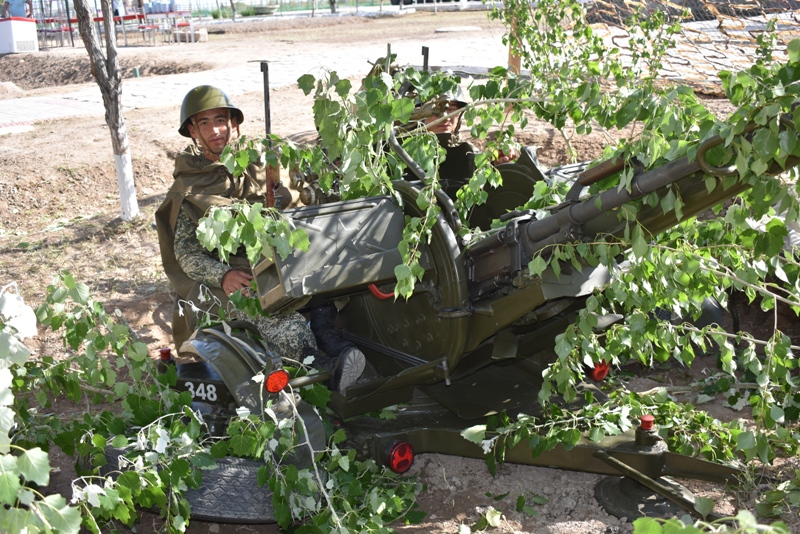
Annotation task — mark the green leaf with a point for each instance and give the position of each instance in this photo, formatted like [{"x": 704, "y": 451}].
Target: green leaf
[
  {"x": 793, "y": 49},
  {"x": 787, "y": 141},
  {"x": 538, "y": 499},
  {"x": 474, "y": 434},
  {"x": 17, "y": 520},
  {"x": 219, "y": 449},
  {"x": 570, "y": 438},
  {"x": 637, "y": 321},
  {"x": 316, "y": 395},
  {"x": 704, "y": 506},
  {"x": 764, "y": 450},
  {"x": 344, "y": 463},
  {"x": 537, "y": 266},
  {"x": 768, "y": 509},
  {"x": 203, "y": 460},
  {"x": 529, "y": 511},
  {"x": 596, "y": 434},
  {"x": 34, "y": 466},
  {"x": 480, "y": 525},
  {"x": 242, "y": 445},
  {"x": 68, "y": 280},
  {"x": 765, "y": 143},
  {"x": 647, "y": 525},
  {"x": 776, "y": 414},
  {"x": 306, "y": 83},
  {"x": 745, "y": 80},
  {"x": 137, "y": 351},
  {"x": 402, "y": 272},
  {"x": 283, "y": 515},
  {"x": 80, "y": 293},
  {"x": 262, "y": 476},
  {"x": 745, "y": 441},
  {"x": 99, "y": 441},
  {"x": 343, "y": 87},
  {"x": 63, "y": 518},
  {"x": 640, "y": 247},
  {"x": 494, "y": 517},
  {"x": 121, "y": 389},
  {"x": 402, "y": 108},
  {"x": 9, "y": 486}
]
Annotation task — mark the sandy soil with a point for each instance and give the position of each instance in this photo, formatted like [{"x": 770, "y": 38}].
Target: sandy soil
[{"x": 59, "y": 206}]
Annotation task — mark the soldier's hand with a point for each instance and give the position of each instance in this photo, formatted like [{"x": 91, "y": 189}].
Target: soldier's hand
[
  {"x": 505, "y": 158},
  {"x": 235, "y": 280}
]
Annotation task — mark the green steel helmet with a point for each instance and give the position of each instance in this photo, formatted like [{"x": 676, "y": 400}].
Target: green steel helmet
[{"x": 203, "y": 98}]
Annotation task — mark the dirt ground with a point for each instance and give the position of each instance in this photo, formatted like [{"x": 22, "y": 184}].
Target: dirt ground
[{"x": 59, "y": 210}]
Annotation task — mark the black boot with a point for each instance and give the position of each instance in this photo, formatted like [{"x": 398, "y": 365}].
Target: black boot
[{"x": 345, "y": 370}]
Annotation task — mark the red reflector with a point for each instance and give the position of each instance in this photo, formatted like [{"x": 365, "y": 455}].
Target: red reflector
[
  {"x": 401, "y": 456},
  {"x": 276, "y": 381},
  {"x": 600, "y": 371}
]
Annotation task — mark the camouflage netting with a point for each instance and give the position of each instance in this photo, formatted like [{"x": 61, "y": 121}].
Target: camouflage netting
[
  {"x": 716, "y": 35},
  {"x": 617, "y": 11}
]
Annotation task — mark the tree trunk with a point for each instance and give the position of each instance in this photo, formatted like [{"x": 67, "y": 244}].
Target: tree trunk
[
  {"x": 108, "y": 76},
  {"x": 233, "y": 10}
]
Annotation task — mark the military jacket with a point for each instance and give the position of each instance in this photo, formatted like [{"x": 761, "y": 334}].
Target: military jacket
[{"x": 199, "y": 185}]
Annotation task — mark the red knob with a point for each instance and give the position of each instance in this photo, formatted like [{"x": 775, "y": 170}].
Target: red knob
[
  {"x": 647, "y": 422},
  {"x": 166, "y": 354}
]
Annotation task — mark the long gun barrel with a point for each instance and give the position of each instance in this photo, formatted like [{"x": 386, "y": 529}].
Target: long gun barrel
[{"x": 586, "y": 219}]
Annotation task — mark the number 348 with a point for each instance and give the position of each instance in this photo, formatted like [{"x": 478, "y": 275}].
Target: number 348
[{"x": 202, "y": 391}]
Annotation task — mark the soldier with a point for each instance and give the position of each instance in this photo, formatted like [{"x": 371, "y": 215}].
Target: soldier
[
  {"x": 199, "y": 278},
  {"x": 459, "y": 164}
]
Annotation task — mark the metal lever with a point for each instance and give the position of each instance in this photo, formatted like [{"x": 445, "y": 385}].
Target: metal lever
[{"x": 653, "y": 485}]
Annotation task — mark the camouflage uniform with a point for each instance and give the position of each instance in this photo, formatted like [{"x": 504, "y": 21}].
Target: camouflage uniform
[
  {"x": 197, "y": 262},
  {"x": 200, "y": 184}
]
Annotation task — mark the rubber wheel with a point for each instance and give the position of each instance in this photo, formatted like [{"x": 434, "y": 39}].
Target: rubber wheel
[{"x": 229, "y": 494}]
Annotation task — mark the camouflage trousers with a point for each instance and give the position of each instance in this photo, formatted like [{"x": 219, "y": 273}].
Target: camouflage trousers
[{"x": 287, "y": 336}]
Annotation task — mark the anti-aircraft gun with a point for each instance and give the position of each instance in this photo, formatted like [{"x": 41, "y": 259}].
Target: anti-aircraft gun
[
  {"x": 474, "y": 337},
  {"x": 479, "y": 329}
]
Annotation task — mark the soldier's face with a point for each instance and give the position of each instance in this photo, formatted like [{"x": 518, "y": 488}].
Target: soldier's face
[
  {"x": 214, "y": 127},
  {"x": 447, "y": 125}
]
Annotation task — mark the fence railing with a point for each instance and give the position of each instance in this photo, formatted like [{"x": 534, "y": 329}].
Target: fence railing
[{"x": 250, "y": 7}]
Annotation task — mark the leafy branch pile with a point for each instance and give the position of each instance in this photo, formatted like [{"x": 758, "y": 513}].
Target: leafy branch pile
[{"x": 163, "y": 446}]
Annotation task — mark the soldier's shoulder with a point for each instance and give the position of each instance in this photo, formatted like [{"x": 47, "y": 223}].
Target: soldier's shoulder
[{"x": 189, "y": 158}]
